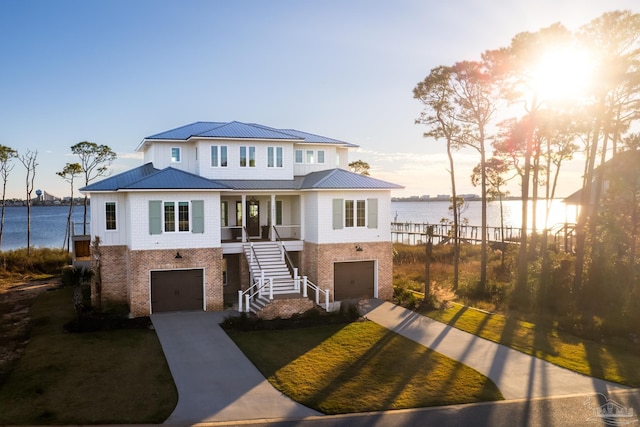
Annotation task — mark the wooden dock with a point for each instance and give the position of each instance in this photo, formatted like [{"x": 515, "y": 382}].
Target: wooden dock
[{"x": 410, "y": 233}]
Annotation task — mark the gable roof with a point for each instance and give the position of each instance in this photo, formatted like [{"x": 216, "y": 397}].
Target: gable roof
[
  {"x": 146, "y": 177},
  {"x": 239, "y": 130}
]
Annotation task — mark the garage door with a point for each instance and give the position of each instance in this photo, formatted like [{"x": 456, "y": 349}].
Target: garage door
[
  {"x": 354, "y": 280},
  {"x": 175, "y": 290}
]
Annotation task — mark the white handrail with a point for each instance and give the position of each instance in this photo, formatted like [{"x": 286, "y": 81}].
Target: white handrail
[
  {"x": 306, "y": 282},
  {"x": 252, "y": 291}
]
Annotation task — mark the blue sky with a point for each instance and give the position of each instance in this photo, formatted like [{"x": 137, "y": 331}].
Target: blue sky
[{"x": 114, "y": 71}]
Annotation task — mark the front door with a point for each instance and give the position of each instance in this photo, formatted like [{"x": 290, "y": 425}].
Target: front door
[{"x": 253, "y": 217}]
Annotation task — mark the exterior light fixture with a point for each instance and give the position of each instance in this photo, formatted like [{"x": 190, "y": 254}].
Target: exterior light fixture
[
  {"x": 358, "y": 248},
  {"x": 178, "y": 256}
]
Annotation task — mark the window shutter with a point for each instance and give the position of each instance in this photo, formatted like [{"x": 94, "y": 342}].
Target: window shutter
[
  {"x": 197, "y": 207},
  {"x": 338, "y": 219},
  {"x": 373, "y": 213},
  {"x": 155, "y": 217}
]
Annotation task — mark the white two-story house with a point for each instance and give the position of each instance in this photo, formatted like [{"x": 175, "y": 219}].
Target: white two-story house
[{"x": 222, "y": 211}]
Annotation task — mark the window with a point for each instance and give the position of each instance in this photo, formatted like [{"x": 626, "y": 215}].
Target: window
[
  {"x": 360, "y": 213},
  {"x": 169, "y": 216},
  {"x": 183, "y": 216},
  {"x": 224, "y": 214},
  {"x": 218, "y": 156},
  {"x": 299, "y": 158},
  {"x": 274, "y": 157},
  {"x": 110, "y": 215},
  {"x": 309, "y": 156},
  {"x": 348, "y": 213},
  {"x": 175, "y": 154},
  {"x": 355, "y": 213},
  {"x": 278, "y": 212},
  {"x": 238, "y": 214},
  {"x": 320, "y": 156},
  {"x": 248, "y": 157}
]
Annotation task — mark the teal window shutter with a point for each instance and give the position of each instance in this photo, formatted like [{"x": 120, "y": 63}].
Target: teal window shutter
[
  {"x": 197, "y": 207},
  {"x": 155, "y": 217},
  {"x": 373, "y": 213},
  {"x": 338, "y": 218}
]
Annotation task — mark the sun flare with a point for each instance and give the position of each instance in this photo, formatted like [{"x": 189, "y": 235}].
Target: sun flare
[{"x": 564, "y": 74}]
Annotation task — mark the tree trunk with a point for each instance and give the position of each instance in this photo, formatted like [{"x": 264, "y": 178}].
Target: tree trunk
[{"x": 456, "y": 240}]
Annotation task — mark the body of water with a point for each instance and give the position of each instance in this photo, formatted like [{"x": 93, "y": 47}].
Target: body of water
[
  {"x": 433, "y": 212},
  {"x": 48, "y": 222},
  {"x": 48, "y": 225}
]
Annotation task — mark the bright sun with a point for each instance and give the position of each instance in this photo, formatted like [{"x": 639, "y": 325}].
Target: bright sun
[{"x": 563, "y": 74}]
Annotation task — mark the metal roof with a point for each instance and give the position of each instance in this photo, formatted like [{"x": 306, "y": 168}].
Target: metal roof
[
  {"x": 175, "y": 179},
  {"x": 123, "y": 179},
  {"x": 146, "y": 177},
  {"x": 343, "y": 179},
  {"x": 241, "y": 130}
]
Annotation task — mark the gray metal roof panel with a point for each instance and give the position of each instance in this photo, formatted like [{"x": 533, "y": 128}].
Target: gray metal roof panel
[
  {"x": 244, "y": 130},
  {"x": 187, "y": 131},
  {"x": 342, "y": 179},
  {"x": 121, "y": 180},
  {"x": 266, "y": 184},
  {"x": 175, "y": 179}
]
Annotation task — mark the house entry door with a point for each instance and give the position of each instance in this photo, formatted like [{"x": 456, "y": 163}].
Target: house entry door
[{"x": 253, "y": 217}]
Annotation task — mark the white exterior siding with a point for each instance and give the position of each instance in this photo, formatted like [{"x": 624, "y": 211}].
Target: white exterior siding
[
  {"x": 141, "y": 239},
  {"x": 330, "y": 159},
  {"x": 324, "y": 232},
  {"x": 233, "y": 170},
  {"x": 160, "y": 155},
  {"x": 98, "y": 219}
]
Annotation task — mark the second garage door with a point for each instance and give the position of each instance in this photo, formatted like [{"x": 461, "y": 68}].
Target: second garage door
[
  {"x": 176, "y": 290},
  {"x": 354, "y": 280}
]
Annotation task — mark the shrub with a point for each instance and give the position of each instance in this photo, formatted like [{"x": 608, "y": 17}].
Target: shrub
[{"x": 40, "y": 261}]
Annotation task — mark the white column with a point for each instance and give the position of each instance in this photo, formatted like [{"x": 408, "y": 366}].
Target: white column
[
  {"x": 244, "y": 216},
  {"x": 272, "y": 217}
]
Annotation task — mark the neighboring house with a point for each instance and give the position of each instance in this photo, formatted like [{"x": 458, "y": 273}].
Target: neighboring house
[{"x": 216, "y": 206}]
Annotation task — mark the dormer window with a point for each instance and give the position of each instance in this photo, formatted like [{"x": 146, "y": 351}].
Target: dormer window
[{"x": 175, "y": 154}]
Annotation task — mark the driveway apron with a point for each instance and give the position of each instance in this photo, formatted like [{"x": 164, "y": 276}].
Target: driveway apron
[
  {"x": 215, "y": 381},
  {"x": 517, "y": 375}
]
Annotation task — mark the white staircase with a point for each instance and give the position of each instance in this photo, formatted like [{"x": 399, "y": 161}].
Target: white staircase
[{"x": 267, "y": 258}]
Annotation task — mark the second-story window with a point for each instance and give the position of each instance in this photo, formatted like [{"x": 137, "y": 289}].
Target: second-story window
[
  {"x": 274, "y": 157},
  {"x": 299, "y": 156},
  {"x": 309, "y": 157},
  {"x": 175, "y": 154},
  {"x": 248, "y": 157},
  {"x": 320, "y": 156},
  {"x": 218, "y": 156}
]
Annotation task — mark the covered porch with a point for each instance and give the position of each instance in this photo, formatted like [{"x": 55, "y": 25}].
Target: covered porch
[{"x": 254, "y": 217}]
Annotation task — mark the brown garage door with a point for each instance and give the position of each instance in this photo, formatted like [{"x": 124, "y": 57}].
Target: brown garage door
[
  {"x": 175, "y": 290},
  {"x": 354, "y": 279}
]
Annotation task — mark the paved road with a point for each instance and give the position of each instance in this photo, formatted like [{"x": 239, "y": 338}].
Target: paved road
[{"x": 567, "y": 411}]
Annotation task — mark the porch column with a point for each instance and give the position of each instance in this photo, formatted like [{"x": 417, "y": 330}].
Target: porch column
[
  {"x": 244, "y": 217},
  {"x": 272, "y": 217},
  {"x": 302, "y": 216}
]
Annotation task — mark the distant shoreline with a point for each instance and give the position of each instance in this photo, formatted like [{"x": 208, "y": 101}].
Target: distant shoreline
[{"x": 466, "y": 199}]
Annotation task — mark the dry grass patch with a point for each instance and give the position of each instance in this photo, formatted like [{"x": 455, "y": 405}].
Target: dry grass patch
[{"x": 360, "y": 367}]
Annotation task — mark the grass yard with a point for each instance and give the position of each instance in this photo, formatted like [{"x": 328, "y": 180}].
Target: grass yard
[
  {"x": 546, "y": 342},
  {"x": 117, "y": 376},
  {"x": 360, "y": 367}
]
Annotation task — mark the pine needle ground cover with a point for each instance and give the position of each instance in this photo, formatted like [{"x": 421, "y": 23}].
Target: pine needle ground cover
[
  {"x": 360, "y": 367},
  {"x": 115, "y": 376}
]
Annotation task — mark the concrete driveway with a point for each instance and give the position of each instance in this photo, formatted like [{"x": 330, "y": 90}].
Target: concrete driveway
[{"x": 215, "y": 381}]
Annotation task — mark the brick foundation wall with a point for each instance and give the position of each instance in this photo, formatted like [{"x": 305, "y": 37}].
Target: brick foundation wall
[
  {"x": 285, "y": 308},
  {"x": 125, "y": 274},
  {"x": 318, "y": 260},
  {"x": 114, "y": 274}
]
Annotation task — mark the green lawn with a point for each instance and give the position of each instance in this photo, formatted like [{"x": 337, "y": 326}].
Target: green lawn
[
  {"x": 360, "y": 367},
  {"x": 546, "y": 342},
  {"x": 118, "y": 376}
]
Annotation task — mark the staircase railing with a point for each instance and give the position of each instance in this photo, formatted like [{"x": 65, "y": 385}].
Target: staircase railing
[
  {"x": 285, "y": 254},
  {"x": 258, "y": 288},
  {"x": 304, "y": 283}
]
